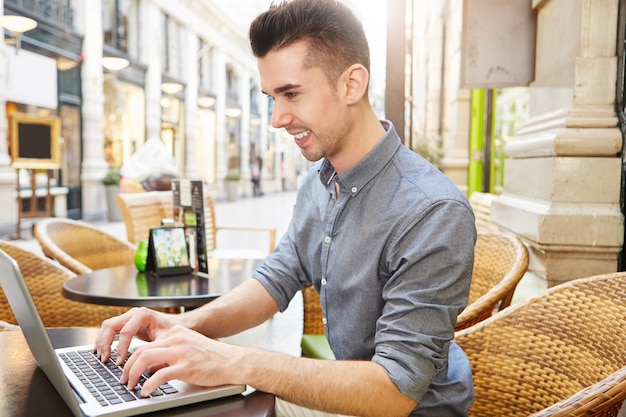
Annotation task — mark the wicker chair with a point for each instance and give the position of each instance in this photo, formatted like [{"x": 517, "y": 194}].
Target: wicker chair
[
  {"x": 560, "y": 353},
  {"x": 82, "y": 247},
  {"x": 44, "y": 279},
  {"x": 142, "y": 211},
  {"x": 501, "y": 260},
  {"x": 481, "y": 205}
]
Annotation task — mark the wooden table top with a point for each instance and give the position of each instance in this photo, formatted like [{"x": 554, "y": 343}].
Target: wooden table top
[{"x": 125, "y": 286}]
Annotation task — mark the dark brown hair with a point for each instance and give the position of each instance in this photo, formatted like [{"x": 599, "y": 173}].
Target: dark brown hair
[{"x": 334, "y": 35}]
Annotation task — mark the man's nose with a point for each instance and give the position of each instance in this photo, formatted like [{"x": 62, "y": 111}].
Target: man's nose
[{"x": 280, "y": 118}]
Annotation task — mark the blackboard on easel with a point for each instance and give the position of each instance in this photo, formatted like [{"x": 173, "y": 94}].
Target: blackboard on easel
[{"x": 35, "y": 141}]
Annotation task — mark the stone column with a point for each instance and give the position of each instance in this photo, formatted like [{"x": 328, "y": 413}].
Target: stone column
[
  {"x": 218, "y": 78},
  {"x": 562, "y": 179},
  {"x": 440, "y": 108},
  {"x": 457, "y": 102},
  {"x": 94, "y": 166},
  {"x": 244, "y": 122},
  {"x": 151, "y": 38},
  {"x": 8, "y": 178},
  {"x": 191, "y": 105}
]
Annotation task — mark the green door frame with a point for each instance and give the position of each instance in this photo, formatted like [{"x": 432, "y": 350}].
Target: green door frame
[{"x": 482, "y": 127}]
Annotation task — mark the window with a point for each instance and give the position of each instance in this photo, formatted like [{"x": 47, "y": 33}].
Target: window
[
  {"x": 255, "y": 92},
  {"x": 115, "y": 20},
  {"x": 232, "y": 85},
  {"x": 171, "y": 58},
  {"x": 204, "y": 65}
]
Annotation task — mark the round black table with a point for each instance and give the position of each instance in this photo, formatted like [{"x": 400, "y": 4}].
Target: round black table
[
  {"x": 26, "y": 391},
  {"x": 125, "y": 286}
]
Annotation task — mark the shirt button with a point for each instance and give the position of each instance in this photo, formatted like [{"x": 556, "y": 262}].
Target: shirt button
[
  {"x": 323, "y": 281},
  {"x": 327, "y": 239},
  {"x": 324, "y": 320},
  {"x": 354, "y": 189}
]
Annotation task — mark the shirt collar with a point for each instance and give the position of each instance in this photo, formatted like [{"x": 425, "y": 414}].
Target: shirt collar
[{"x": 376, "y": 159}]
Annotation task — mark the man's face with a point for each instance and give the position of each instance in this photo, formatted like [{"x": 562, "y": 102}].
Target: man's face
[{"x": 305, "y": 104}]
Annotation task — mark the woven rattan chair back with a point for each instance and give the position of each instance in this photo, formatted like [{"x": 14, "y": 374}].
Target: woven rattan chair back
[
  {"x": 559, "y": 353},
  {"x": 44, "y": 279},
  {"x": 142, "y": 211},
  {"x": 81, "y": 247},
  {"x": 500, "y": 262},
  {"x": 481, "y": 205},
  {"x": 312, "y": 311}
]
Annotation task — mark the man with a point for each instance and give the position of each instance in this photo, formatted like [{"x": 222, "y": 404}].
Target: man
[
  {"x": 384, "y": 237},
  {"x": 256, "y": 165}
]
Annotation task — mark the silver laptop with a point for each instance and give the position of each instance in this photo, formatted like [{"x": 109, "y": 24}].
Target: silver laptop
[{"x": 69, "y": 368}]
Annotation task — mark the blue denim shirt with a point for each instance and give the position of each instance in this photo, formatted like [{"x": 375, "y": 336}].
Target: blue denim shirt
[{"x": 391, "y": 256}]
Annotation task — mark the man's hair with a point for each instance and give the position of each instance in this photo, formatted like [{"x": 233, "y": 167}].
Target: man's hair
[{"x": 334, "y": 36}]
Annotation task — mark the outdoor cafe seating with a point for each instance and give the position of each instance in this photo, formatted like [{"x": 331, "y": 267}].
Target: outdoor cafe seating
[
  {"x": 44, "y": 279},
  {"x": 80, "y": 246},
  {"x": 142, "y": 211},
  {"x": 558, "y": 353},
  {"x": 500, "y": 262}
]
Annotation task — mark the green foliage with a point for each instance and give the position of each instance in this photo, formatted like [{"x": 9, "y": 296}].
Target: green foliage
[
  {"x": 113, "y": 177},
  {"x": 233, "y": 175}
]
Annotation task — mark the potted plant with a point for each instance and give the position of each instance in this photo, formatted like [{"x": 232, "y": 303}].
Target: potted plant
[
  {"x": 111, "y": 182},
  {"x": 232, "y": 183}
]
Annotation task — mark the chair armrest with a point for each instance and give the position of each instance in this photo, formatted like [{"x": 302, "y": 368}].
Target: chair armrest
[
  {"x": 601, "y": 399},
  {"x": 271, "y": 231},
  {"x": 48, "y": 247}
]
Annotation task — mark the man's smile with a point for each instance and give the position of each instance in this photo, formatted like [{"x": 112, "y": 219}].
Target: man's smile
[{"x": 302, "y": 135}]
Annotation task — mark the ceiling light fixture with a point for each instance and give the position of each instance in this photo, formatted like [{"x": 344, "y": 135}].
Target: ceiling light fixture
[
  {"x": 17, "y": 25},
  {"x": 232, "y": 112},
  {"x": 206, "y": 101},
  {"x": 114, "y": 63},
  {"x": 171, "y": 88}
]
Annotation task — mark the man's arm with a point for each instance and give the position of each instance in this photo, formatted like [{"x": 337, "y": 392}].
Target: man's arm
[
  {"x": 348, "y": 387},
  {"x": 245, "y": 306},
  {"x": 360, "y": 388}
]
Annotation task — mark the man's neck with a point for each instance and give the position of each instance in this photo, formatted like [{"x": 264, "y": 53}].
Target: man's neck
[{"x": 366, "y": 132}]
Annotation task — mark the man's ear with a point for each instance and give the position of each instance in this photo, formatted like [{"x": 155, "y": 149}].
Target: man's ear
[{"x": 355, "y": 81}]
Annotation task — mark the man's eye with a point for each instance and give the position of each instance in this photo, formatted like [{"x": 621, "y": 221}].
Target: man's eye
[{"x": 291, "y": 95}]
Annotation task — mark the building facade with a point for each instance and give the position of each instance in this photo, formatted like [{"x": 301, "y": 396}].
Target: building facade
[
  {"x": 562, "y": 186},
  {"x": 563, "y": 175},
  {"x": 188, "y": 78},
  {"x": 192, "y": 82}
]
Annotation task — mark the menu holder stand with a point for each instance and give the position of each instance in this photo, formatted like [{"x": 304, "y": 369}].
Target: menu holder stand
[
  {"x": 167, "y": 251},
  {"x": 189, "y": 212}
]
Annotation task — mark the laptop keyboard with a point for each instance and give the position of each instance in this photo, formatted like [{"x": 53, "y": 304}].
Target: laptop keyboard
[{"x": 102, "y": 379}]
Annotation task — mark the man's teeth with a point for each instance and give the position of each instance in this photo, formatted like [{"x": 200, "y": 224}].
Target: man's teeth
[{"x": 302, "y": 135}]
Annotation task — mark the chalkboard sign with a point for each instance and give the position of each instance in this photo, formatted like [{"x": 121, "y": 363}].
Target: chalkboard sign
[{"x": 35, "y": 141}]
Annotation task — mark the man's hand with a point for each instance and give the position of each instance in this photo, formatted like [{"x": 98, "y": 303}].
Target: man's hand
[
  {"x": 183, "y": 354},
  {"x": 141, "y": 322}
]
